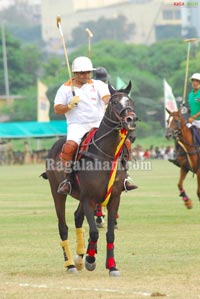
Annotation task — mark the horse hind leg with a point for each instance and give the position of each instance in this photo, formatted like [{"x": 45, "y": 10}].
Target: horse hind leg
[
  {"x": 80, "y": 240},
  {"x": 99, "y": 216},
  {"x": 59, "y": 201},
  {"x": 185, "y": 198},
  {"x": 69, "y": 263}
]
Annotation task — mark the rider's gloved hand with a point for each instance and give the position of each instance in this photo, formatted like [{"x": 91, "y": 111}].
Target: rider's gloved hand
[
  {"x": 191, "y": 119},
  {"x": 74, "y": 102}
]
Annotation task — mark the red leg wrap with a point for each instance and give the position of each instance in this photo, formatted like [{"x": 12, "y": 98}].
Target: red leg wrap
[
  {"x": 92, "y": 248},
  {"x": 111, "y": 263},
  {"x": 110, "y": 246},
  {"x": 98, "y": 211}
]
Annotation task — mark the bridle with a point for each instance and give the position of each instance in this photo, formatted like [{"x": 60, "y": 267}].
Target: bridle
[
  {"x": 120, "y": 121},
  {"x": 111, "y": 124},
  {"x": 177, "y": 130}
]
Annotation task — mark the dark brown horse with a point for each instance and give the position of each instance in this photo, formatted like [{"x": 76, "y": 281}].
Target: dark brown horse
[
  {"x": 90, "y": 185},
  {"x": 187, "y": 151}
]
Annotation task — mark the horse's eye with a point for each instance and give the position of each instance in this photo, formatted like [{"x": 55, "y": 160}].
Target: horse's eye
[{"x": 115, "y": 102}]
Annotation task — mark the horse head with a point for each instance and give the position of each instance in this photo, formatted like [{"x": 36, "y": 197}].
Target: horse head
[
  {"x": 120, "y": 110},
  {"x": 175, "y": 124}
]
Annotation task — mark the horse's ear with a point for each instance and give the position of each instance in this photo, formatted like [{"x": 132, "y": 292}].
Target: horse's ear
[
  {"x": 111, "y": 88},
  {"x": 168, "y": 111},
  {"x": 128, "y": 87}
]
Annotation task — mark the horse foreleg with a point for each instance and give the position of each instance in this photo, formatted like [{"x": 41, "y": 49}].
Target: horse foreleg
[
  {"x": 185, "y": 198},
  {"x": 80, "y": 240},
  {"x": 59, "y": 201},
  {"x": 110, "y": 236},
  {"x": 90, "y": 261}
]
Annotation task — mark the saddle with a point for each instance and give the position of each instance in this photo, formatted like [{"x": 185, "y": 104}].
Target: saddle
[
  {"x": 85, "y": 142},
  {"x": 84, "y": 145},
  {"x": 82, "y": 149}
]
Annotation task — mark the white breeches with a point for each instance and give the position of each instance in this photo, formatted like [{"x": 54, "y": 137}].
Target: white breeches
[
  {"x": 195, "y": 123},
  {"x": 75, "y": 132}
]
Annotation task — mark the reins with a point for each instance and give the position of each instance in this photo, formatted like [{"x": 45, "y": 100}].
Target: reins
[{"x": 117, "y": 126}]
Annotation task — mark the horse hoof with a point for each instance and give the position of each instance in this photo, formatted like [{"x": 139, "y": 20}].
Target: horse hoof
[
  {"x": 188, "y": 204},
  {"x": 72, "y": 270},
  {"x": 90, "y": 263},
  {"x": 78, "y": 260},
  {"x": 99, "y": 225},
  {"x": 114, "y": 272},
  {"x": 100, "y": 222}
]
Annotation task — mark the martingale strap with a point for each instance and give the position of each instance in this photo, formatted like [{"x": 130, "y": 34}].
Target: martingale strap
[
  {"x": 187, "y": 154},
  {"x": 122, "y": 133}
]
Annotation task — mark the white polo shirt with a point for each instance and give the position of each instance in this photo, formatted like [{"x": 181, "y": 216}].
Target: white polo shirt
[
  {"x": 91, "y": 107},
  {"x": 90, "y": 110}
]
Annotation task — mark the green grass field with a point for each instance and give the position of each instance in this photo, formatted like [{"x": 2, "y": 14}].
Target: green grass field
[{"x": 157, "y": 246}]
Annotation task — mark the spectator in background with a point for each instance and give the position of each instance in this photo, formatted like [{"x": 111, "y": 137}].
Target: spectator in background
[{"x": 27, "y": 153}]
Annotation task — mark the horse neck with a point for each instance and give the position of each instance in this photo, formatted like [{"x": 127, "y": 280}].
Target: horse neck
[
  {"x": 186, "y": 135},
  {"x": 107, "y": 137}
]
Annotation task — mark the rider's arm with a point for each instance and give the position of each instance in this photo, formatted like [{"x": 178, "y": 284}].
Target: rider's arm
[
  {"x": 193, "y": 117},
  {"x": 106, "y": 99},
  {"x": 61, "y": 109}
]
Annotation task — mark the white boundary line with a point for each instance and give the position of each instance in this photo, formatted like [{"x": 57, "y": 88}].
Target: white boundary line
[{"x": 44, "y": 286}]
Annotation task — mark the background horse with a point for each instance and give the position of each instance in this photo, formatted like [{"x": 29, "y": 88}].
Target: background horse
[
  {"x": 91, "y": 185},
  {"x": 187, "y": 151}
]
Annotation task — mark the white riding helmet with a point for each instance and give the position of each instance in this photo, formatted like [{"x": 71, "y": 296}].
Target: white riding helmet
[
  {"x": 82, "y": 64},
  {"x": 195, "y": 76}
]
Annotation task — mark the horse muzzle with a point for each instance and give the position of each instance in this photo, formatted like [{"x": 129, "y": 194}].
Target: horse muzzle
[
  {"x": 169, "y": 134},
  {"x": 130, "y": 121}
]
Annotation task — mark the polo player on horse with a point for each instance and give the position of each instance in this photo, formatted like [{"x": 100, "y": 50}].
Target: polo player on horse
[
  {"x": 83, "y": 112},
  {"x": 193, "y": 121}
]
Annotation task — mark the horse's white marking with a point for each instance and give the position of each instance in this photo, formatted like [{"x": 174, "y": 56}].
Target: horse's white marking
[
  {"x": 123, "y": 101},
  {"x": 105, "y": 290}
]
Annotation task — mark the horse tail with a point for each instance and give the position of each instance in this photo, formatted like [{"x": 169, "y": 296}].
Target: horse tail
[{"x": 44, "y": 175}]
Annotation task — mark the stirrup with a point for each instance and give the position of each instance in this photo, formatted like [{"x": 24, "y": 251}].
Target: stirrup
[
  {"x": 62, "y": 185},
  {"x": 129, "y": 180}
]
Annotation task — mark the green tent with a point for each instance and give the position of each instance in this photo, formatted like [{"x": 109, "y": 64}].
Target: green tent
[{"x": 33, "y": 129}]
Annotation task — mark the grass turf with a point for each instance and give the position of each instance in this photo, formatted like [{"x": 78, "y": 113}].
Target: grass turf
[{"x": 157, "y": 246}]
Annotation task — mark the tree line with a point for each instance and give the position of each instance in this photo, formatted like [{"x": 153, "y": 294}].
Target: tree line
[{"x": 145, "y": 66}]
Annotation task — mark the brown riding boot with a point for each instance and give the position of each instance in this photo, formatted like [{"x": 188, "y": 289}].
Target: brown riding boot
[
  {"x": 128, "y": 182},
  {"x": 174, "y": 161},
  {"x": 67, "y": 156}
]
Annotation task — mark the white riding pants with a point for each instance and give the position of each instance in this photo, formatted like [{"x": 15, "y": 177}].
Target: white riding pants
[
  {"x": 75, "y": 132},
  {"x": 195, "y": 123}
]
